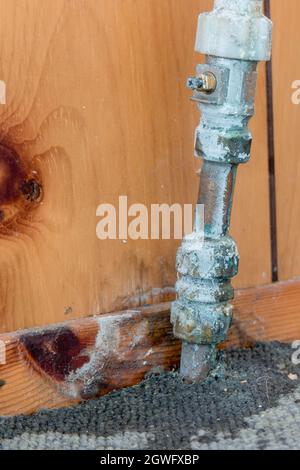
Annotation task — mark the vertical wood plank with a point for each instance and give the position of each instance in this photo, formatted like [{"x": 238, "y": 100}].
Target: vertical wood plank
[
  {"x": 251, "y": 215},
  {"x": 286, "y": 69},
  {"x": 97, "y": 108}
]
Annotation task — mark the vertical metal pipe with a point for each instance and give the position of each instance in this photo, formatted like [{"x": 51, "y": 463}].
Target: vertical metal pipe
[{"x": 235, "y": 36}]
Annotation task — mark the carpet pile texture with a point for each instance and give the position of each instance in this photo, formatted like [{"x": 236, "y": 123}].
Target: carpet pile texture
[{"x": 251, "y": 401}]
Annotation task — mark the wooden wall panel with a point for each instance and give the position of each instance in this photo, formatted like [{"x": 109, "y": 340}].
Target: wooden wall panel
[
  {"x": 286, "y": 69},
  {"x": 97, "y": 108},
  {"x": 251, "y": 218}
]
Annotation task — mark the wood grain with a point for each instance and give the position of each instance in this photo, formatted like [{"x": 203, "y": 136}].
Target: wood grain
[
  {"x": 97, "y": 108},
  {"x": 77, "y": 360},
  {"x": 286, "y": 69}
]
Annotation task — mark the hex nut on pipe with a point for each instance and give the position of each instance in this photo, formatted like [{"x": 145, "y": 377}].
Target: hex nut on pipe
[{"x": 235, "y": 29}]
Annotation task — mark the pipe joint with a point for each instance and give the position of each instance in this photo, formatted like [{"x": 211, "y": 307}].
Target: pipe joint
[
  {"x": 219, "y": 145},
  {"x": 199, "y": 323},
  {"x": 212, "y": 259},
  {"x": 243, "y": 7},
  {"x": 202, "y": 314},
  {"x": 235, "y": 29},
  {"x": 205, "y": 291}
]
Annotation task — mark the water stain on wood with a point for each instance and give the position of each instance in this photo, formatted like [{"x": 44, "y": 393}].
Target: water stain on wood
[
  {"x": 82, "y": 363},
  {"x": 56, "y": 352}
]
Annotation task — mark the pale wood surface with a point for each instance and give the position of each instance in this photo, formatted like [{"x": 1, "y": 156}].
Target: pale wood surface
[
  {"x": 97, "y": 106},
  {"x": 286, "y": 69},
  {"x": 44, "y": 367}
]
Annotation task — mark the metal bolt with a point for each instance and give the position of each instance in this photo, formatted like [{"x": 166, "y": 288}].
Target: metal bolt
[
  {"x": 205, "y": 82},
  {"x": 195, "y": 83}
]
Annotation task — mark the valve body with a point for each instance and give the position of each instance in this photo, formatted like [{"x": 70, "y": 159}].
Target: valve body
[{"x": 235, "y": 36}]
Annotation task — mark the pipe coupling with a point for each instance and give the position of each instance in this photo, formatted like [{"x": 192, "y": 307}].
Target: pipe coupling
[
  {"x": 200, "y": 323},
  {"x": 223, "y": 145},
  {"x": 235, "y": 29},
  {"x": 209, "y": 259},
  {"x": 202, "y": 314}
]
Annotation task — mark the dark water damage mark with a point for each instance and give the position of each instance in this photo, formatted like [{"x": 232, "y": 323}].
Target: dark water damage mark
[
  {"x": 85, "y": 362},
  {"x": 20, "y": 187},
  {"x": 57, "y": 352}
]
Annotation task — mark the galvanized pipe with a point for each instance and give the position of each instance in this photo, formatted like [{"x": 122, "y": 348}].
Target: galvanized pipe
[{"x": 235, "y": 36}]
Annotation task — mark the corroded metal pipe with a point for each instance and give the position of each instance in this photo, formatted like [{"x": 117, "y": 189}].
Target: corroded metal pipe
[{"x": 235, "y": 36}]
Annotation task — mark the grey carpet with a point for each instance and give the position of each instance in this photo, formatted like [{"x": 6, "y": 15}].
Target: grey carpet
[{"x": 252, "y": 401}]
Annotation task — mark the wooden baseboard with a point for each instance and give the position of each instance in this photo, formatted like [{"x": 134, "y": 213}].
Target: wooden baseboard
[{"x": 64, "y": 364}]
